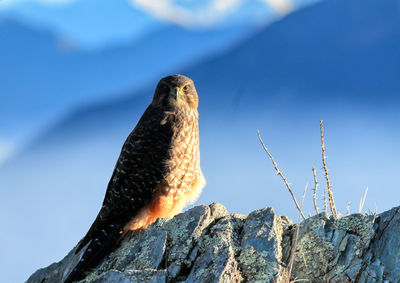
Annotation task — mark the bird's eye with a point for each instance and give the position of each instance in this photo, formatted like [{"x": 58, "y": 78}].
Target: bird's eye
[{"x": 186, "y": 88}]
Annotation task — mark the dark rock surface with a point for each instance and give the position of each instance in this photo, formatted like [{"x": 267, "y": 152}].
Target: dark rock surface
[{"x": 207, "y": 244}]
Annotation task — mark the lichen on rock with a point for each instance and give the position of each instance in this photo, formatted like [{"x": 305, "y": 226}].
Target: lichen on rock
[
  {"x": 261, "y": 249},
  {"x": 207, "y": 244},
  {"x": 330, "y": 249}
]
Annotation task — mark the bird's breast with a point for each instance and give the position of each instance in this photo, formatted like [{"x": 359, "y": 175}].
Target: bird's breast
[{"x": 183, "y": 179}]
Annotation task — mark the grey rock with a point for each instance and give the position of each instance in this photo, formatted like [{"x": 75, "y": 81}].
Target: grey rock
[
  {"x": 183, "y": 232},
  {"x": 385, "y": 249},
  {"x": 134, "y": 255},
  {"x": 206, "y": 244},
  {"x": 332, "y": 250},
  {"x": 217, "y": 250},
  {"x": 129, "y": 276},
  {"x": 56, "y": 272},
  {"x": 261, "y": 250}
]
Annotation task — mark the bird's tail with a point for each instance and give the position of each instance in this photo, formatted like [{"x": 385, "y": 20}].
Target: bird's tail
[{"x": 98, "y": 247}]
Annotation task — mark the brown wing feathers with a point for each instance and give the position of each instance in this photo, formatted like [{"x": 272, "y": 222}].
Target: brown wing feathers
[{"x": 135, "y": 177}]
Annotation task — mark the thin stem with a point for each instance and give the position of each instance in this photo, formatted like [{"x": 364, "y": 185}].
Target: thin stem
[
  {"x": 278, "y": 172},
  {"x": 297, "y": 233},
  {"x": 328, "y": 183},
  {"x": 315, "y": 190},
  {"x": 362, "y": 200},
  {"x": 325, "y": 205},
  {"x": 348, "y": 208}
]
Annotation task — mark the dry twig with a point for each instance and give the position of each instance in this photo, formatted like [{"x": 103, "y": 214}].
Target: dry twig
[
  {"x": 362, "y": 200},
  {"x": 315, "y": 190},
  {"x": 328, "y": 183},
  {"x": 376, "y": 211},
  {"x": 278, "y": 172},
  {"x": 325, "y": 205},
  {"x": 348, "y": 208},
  {"x": 293, "y": 252}
]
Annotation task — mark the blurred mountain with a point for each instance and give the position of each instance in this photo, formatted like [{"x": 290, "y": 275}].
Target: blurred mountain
[
  {"x": 96, "y": 24},
  {"x": 337, "y": 61},
  {"x": 354, "y": 60},
  {"x": 90, "y": 24},
  {"x": 333, "y": 47},
  {"x": 44, "y": 76}
]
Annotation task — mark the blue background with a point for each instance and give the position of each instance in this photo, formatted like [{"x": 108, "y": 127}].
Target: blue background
[{"x": 75, "y": 76}]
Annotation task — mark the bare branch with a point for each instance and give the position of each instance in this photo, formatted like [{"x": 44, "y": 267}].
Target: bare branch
[
  {"x": 325, "y": 205},
  {"x": 328, "y": 183},
  {"x": 362, "y": 200},
  {"x": 278, "y": 172},
  {"x": 376, "y": 211},
  {"x": 315, "y": 190},
  {"x": 293, "y": 252},
  {"x": 348, "y": 208}
]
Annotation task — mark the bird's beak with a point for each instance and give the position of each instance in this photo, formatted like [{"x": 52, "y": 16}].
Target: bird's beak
[{"x": 175, "y": 92}]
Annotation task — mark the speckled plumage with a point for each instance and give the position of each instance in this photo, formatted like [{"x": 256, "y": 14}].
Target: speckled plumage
[{"x": 157, "y": 173}]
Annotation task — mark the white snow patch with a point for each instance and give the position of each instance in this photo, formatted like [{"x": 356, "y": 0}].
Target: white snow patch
[
  {"x": 208, "y": 14},
  {"x": 281, "y": 7}
]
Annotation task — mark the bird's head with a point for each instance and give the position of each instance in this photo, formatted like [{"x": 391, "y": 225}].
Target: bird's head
[{"x": 176, "y": 91}]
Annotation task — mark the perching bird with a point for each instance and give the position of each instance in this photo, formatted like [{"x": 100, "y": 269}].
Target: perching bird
[{"x": 156, "y": 175}]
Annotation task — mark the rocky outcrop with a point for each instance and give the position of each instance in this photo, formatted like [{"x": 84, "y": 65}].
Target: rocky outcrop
[{"x": 207, "y": 244}]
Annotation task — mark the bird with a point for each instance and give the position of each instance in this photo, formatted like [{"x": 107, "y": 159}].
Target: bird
[{"x": 156, "y": 175}]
